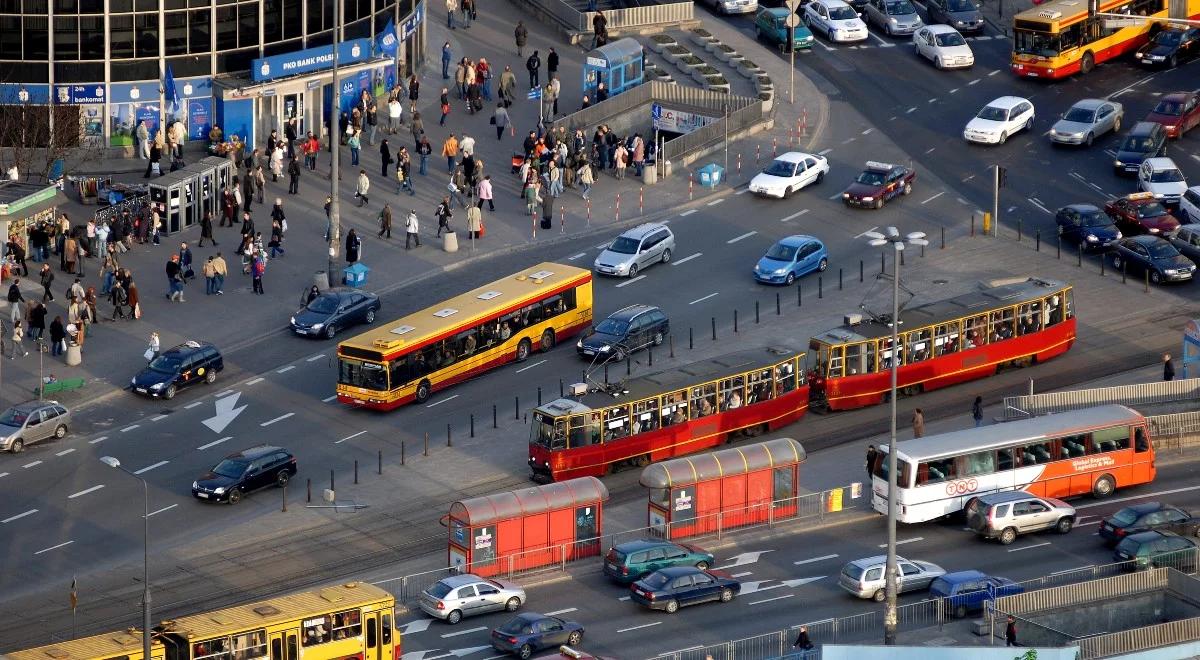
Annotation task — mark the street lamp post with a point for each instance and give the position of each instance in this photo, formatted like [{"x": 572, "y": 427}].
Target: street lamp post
[
  {"x": 897, "y": 242},
  {"x": 335, "y": 172},
  {"x": 146, "y": 631}
]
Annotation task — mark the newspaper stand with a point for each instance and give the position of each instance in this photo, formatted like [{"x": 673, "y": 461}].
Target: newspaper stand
[{"x": 174, "y": 195}]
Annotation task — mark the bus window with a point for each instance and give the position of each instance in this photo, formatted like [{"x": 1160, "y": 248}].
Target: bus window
[
  {"x": 785, "y": 377},
  {"x": 1110, "y": 439},
  {"x": 981, "y": 462},
  {"x": 1002, "y": 326},
  {"x": 645, "y": 415},
  {"x": 553, "y": 306},
  {"x": 918, "y": 345},
  {"x": 945, "y": 339},
  {"x": 464, "y": 344},
  {"x": 935, "y": 471},
  {"x": 531, "y": 315},
  {"x": 1030, "y": 318},
  {"x": 211, "y": 649},
  {"x": 616, "y": 423},
  {"x": 976, "y": 331},
  {"x": 1140, "y": 444},
  {"x": 1074, "y": 446},
  {"x": 357, "y": 373},
  {"x": 704, "y": 400},
  {"x": 1037, "y": 453},
  {"x": 885, "y": 353},
  {"x": 881, "y": 470},
  {"x": 674, "y": 408},
  {"x": 1005, "y": 459},
  {"x": 400, "y": 369}
]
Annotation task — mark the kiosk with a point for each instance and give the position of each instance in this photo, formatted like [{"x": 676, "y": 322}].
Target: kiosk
[
  {"x": 214, "y": 175},
  {"x": 175, "y": 195},
  {"x": 620, "y": 65},
  {"x": 526, "y": 528},
  {"x": 723, "y": 489}
]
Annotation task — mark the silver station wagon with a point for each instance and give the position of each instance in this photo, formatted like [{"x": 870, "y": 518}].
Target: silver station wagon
[{"x": 458, "y": 596}]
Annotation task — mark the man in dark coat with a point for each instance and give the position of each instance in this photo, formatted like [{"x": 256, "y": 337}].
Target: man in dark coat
[{"x": 533, "y": 65}]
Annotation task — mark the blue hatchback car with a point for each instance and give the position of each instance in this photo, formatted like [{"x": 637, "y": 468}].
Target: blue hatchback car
[
  {"x": 529, "y": 631},
  {"x": 791, "y": 257},
  {"x": 969, "y": 590}
]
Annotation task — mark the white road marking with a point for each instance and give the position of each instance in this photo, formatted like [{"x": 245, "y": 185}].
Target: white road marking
[
  {"x": 866, "y": 232},
  {"x": 451, "y": 397},
  {"x": 64, "y": 452},
  {"x": 814, "y": 559},
  {"x": 983, "y": 37},
  {"x": 165, "y": 508},
  {"x": 602, "y": 246},
  {"x": 687, "y": 213},
  {"x": 644, "y": 625},
  {"x": 934, "y": 197},
  {"x": 975, "y": 82},
  {"x": 993, "y": 73},
  {"x": 328, "y": 399},
  {"x": 157, "y": 418},
  {"x": 868, "y": 131},
  {"x": 912, "y": 540},
  {"x": 835, "y": 196},
  {"x": 29, "y": 465},
  {"x": 1038, "y": 204},
  {"x": 1029, "y": 547},
  {"x": 968, "y": 178},
  {"x": 631, "y": 281},
  {"x": 214, "y": 443},
  {"x": 576, "y": 256},
  {"x": 464, "y": 632},
  {"x": 933, "y": 100},
  {"x": 18, "y": 516},
  {"x": 222, "y": 395},
  {"x": 338, "y": 442},
  {"x": 255, "y": 381},
  {"x": 539, "y": 362},
  {"x": 954, "y": 90},
  {"x": 824, "y": 152},
  {"x": 715, "y": 202},
  {"x": 742, "y": 574},
  {"x": 1090, "y": 522},
  {"x": 131, "y": 427},
  {"x": 277, "y": 419},
  {"x": 795, "y": 215},
  {"x": 415, "y": 626},
  {"x": 3, "y": 474},
  {"x": 625, "y": 598},
  {"x": 767, "y": 600},
  {"x": 98, "y": 440},
  {"x": 1196, "y": 156},
  {"x": 700, "y": 300},
  {"x": 930, "y": 150},
  {"x": 192, "y": 405},
  {"x": 849, "y": 140},
  {"x": 910, "y": 110},
  {"x": 53, "y": 547},
  {"x": 1137, "y": 497},
  {"x": 151, "y": 467},
  {"x": 561, "y": 612},
  {"x": 687, "y": 259},
  {"x": 315, "y": 357},
  {"x": 962, "y": 201},
  {"x": 735, "y": 239},
  {"x": 85, "y": 491}
]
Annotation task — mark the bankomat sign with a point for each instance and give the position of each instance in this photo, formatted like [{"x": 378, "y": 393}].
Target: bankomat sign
[{"x": 310, "y": 59}]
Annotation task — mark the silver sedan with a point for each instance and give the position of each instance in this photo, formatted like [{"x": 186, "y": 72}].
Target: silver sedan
[
  {"x": 458, "y": 596},
  {"x": 1087, "y": 120}
]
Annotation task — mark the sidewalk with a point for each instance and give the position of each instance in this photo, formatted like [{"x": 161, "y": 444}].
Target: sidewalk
[
  {"x": 999, "y": 13},
  {"x": 112, "y": 352}
]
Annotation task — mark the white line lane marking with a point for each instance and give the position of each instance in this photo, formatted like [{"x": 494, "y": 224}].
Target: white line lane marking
[
  {"x": 192, "y": 405},
  {"x": 973, "y": 82},
  {"x": 934, "y": 197},
  {"x": 100, "y": 439},
  {"x": 222, "y": 395},
  {"x": 741, "y": 575},
  {"x": 151, "y": 467},
  {"x": 277, "y": 419},
  {"x": 214, "y": 443},
  {"x": 315, "y": 357},
  {"x": 1090, "y": 522},
  {"x": 687, "y": 259},
  {"x": 576, "y": 256},
  {"x": 933, "y": 100},
  {"x": 644, "y": 625},
  {"x": 824, "y": 152},
  {"x": 19, "y": 516},
  {"x": 560, "y": 612},
  {"x": 4, "y": 474},
  {"x": 795, "y": 215},
  {"x": 1138, "y": 497},
  {"x": 328, "y": 399},
  {"x": 29, "y": 465},
  {"x": 687, "y": 213},
  {"x": 535, "y": 364},
  {"x": 868, "y": 131},
  {"x": 835, "y": 196},
  {"x": 64, "y": 452},
  {"x": 631, "y": 281},
  {"x": 910, "y": 110},
  {"x": 625, "y": 598},
  {"x": 602, "y": 246},
  {"x": 1196, "y": 156},
  {"x": 157, "y": 418},
  {"x": 735, "y": 239},
  {"x": 1038, "y": 204},
  {"x": 255, "y": 381},
  {"x": 464, "y": 632},
  {"x": 165, "y": 508},
  {"x": 743, "y": 191},
  {"x": 767, "y": 600},
  {"x": 85, "y": 491},
  {"x": 285, "y": 369},
  {"x": 930, "y": 150},
  {"x": 53, "y": 547},
  {"x": 131, "y": 427},
  {"x": 814, "y": 559},
  {"x": 449, "y": 398},
  {"x": 954, "y": 90},
  {"x": 700, "y": 300},
  {"x": 993, "y": 73},
  {"x": 1030, "y": 547},
  {"x": 715, "y": 202},
  {"x": 912, "y": 540},
  {"x": 349, "y": 437}
]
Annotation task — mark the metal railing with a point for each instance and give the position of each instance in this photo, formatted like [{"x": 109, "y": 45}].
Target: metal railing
[
  {"x": 1176, "y": 431},
  {"x": 1069, "y": 595},
  {"x": 665, "y": 15},
  {"x": 1020, "y": 407},
  {"x": 597, "y": 113},
  {"x": 1126, "y": 641},
  {"x": 738, "y": 119}
]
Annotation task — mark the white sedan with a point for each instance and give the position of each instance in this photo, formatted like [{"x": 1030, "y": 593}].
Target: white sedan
[
  {"x": 788, "y": 173},
  {"x": 1000, "y": 120},
  {"x": 835, "y": 19},
  {"x": 1161, "y": 177},
  {"x": 944, "y": 46}
]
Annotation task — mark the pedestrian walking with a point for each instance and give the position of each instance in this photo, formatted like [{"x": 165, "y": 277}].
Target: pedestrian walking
[
  {"x": 395, "y": 114},
  {"x": 918, "y": 423},
  {"x": 355, "y": 144},
  {"x": 385, "y": 156},
  {"x": 293, "y": 178},
  {"x": 533, "y": 65},
  {"x": 404, "y": 173},
  {"x": 522, "y": 36},
  {"x": 276, "y": 243},
  {"x": 451, "y": 7},
  {"x": 221, "y": 270},
  {"x": 468, "y": 13},
  {"x": 353, "y": 246},
  {"x": 385, "y": 221},
  {"x": 424, "y": 150},
  {"x": 485, "y": 193},
  {"x": 58, "y": 336},
  {"x": 872, "y": 454},
  {"x": 133, "y": 298},
  {"x": 153, "y": 347},
  {"x": 508, "y": 86},
  {"x": 551, "y": 63},
  {"x": 1168, "y": 367},
  {"x": 1010, "y": 632},
  {"x": 500, "y": 120},
  {"x": 411, "y": 227},
  {"x": 977, "y": 411},
  {"x": 456, "y": 186},
  {"x": 362, "y": 189},
  {"x": 445, "y": 106},
  {"x": 46, "y": 278},
  {"x": 443, "y": 214},
  {"x": 118, "y": 298},
  {"x": 474, "y": 222},
  {"x": 802, "y": 640},
  {"x": 450, "y": 151},
  {"x": 174, "y": 279},
  {"x": 586, "y": 178},
  {"x": 414, "y": 88},
  {"x": 37, "y": 323},
  {"x": 483, "y": 71},
  {"x": 372, "y": 122},
  {"x": 206, "y": 229},
  {"x": 209, "y": 271},
  {"x": 15, "y": 300},
  {"x": 460, "y": 79}
]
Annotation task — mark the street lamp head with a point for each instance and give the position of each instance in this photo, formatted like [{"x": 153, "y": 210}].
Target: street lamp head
[
  {"x": 110, "y": 461},
  {"x": 915, "y": 236},
  {"x": 878, "y": 242},
  {"x": 898, "y": 245},
  {"x": 918, "y": 241},
  {"x": 892, "y": 232}
]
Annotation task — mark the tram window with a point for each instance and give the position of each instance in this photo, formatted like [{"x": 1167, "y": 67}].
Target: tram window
[
  {"x": 785, "y": 377},
  {"x": 885, "y": 353},
  {"x": 1074, "y": 446},
  {"x": 918, "y": 345},
  {"x": 1002, "y": 324},
  {"x": 250, "y": 646},
  {"x": 1070, "y": 311},
  {"x": 1004, "y": 459},
  {"x": 211, "y": 649},
  {"x": 577, "y": 431},
  {"x": 1110, "y": 439},
  {"x": 766, "y": 385},
  {"x": 730, "y": 394},
  {"x": 277, "y": 649},
  {"x": 704, "y": 400},
  {"x": 674, "y": 408},
  {"x": 616, "y": 423},
  {"x": 645, "y": 415},
  {"x": 836, "y": 364},
  {"x": 386, "y": 629},
  {"x": 1037, "y": 453},
  {"x": 946, "y": 338},
  {"x": 976, "y": 331},
  {"x": 1030, "y": 318},
  {"x": 981, "y": 462},
  {"x": 558, "y": 435},
  {"x": 935, "y": 471}
]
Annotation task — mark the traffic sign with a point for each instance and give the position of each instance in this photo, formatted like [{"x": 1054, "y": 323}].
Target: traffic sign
[
  {"x": 793, "y": 4},
  {"x": 793, "y": 20}
]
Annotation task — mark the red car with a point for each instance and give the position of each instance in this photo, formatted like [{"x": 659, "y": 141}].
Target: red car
[
  {"x": 1140, "y": 213},
  {"x": 1178, "y": 112},
  {"x": 878, "y": 183}
]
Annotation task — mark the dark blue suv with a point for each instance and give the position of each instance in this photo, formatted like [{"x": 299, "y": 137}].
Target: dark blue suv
[
  {"x": 186, "y": 364},
  {"x": 967, "y": 591}
]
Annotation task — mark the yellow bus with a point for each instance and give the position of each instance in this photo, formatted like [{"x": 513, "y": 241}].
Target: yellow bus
[
  {"x": 1057, "y": 39},
  {"x": 505, "y": 321},
  {"x": 119, "y": 645}
]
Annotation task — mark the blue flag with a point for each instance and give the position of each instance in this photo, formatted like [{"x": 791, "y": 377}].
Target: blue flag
[
  {"x": 387, "y": 42},
  {"x": 170, "y": 93}
]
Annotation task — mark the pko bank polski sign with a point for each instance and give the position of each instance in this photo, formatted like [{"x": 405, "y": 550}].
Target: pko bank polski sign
[{"x": 310, "y": 59}]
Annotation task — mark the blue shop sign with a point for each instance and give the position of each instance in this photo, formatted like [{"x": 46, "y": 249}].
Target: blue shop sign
[
  {"x": 411, "y": 23},
  {"x": 79, "y": 94},
  {"x": 308, "y": 60}
]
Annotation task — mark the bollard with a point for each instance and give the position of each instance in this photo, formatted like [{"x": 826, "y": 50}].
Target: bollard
[
  {"x": 972, "y": 225},
  {"x": 284, "y": 496},
  {"x": 449, "y": 440},
  {"x": 714, "y": 328},
  {"x": 379, "y": 463},
  {"x": 774, "y": 147},
  {"x": 1058, "y": 249},
  {"x": 756, "y": 312},
  {"x": 1101, "y": 265},
  {"x": 1018, "y": 230},
  {"x": 1037, "y": 241},
  {"x": 804, "y": 121},
  {"x": 739, "y": 164},
  {"x": 516, "y": 407},
  {"x": 650, "y": 356},
  {"x": 943, "y": 238},
  {"x": 799, "y": 130},
  {"x": 778, "y": 310},
  {"x": 922, "y": 251},
  {"x": 589, "y": 212},
  {"x": 562, "y": 219},
  {"x": 671, "y": 345},
  {"x": 799, "y": 295},
  {"x": 820, "y": 287},
  {"x": 427, "y": 443},
  {"x": 628, "y": 365},
  {"x": 1079, "y": 261},
  {"x": 691, "y": 342},
  {"x": 308, "y": 499},
  {"x": 882, "y": 263},
  {"x": 402, "y": 452},
  {"x": 606, "y": 373},
  {"x": 1146, "y": 284},
  {"x": 735, "y": 328},
  {"x": 617, "y": 209},
  {"x": 472, "y": 425},
  {"x": 533, "y": 222},
  {"x": 356, "y": 472},
  {"x": 560, "y": 388},
  {"x": 840, "y": 279},
  {"x": 494, "y": 424},
  {"x": 757, "y": 153},
  {"x": 861, "y": 266},
  {"x": 641, "y": 199},
  {"x": 331, "y": 481},
  {"x": 902, "y": 258},
  {"x": 539, "y": 395},
  {"x": 691, "y": 185},
  {"x": 1123, "y": 269}
]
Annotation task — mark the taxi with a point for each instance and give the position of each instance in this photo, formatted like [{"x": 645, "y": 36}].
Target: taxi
[
  {"x": 878, "y": 183},
  {"x": 1141, "y": 213}
]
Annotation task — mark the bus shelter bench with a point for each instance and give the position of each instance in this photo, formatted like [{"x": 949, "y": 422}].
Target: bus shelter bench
[{"x": 60, "y": 386}]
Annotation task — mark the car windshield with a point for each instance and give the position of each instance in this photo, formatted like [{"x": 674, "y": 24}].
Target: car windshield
[
  {"x": 871, "y": 178},
  {"x": 780, "y": 168},
  {"x": 1042, "y": 44},
  {"x": 613, "y": 327},
  {"x": 1166, "y": 176},
  {"x": 655, "y": 581},
  {"x": 1129, "y": 546},
  {"x": 1151, "y": 210},
  {"x": 992, "y": 113},
  {"x": 168, "y": 364},
  {"x": 1125, "y": 516},
  {"x": 1094, "y": 219},
  {"x": 1168, "y": 37},
  {"x": 899, "y": 8},
  {"x": 231, "y": 468},
  {"x": 516, "y": 626},
  {"x": 950, "y": 39},
  {"x": 624, "y": 245},
  {"x": 1162, "y": 250},
  {"x": 781, "y": 252},
  {"x": 1172, "y": 108},
  {"x": 842, "y": 13},
  {"x": 1081, "y": 115},
  {"x": 14, "y": 417},
  {"x": 323, "y": 305},
  {"x": 439, "y": 590},
  {"x": 959, "y": 5},
  {"x": 853, "y": 571},
  {"x": 1138, "y": 144}
]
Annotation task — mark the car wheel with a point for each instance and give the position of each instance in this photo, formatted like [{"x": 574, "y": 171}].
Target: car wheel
[
  {"x": 1104, "y": 487},
  {"x": 525, "y": 652},
  {"x": 170, "y": 392},
  {"x": 672, "y": 606},
  {"x": 454, "y": 617},
  {"x": 235, "y": 496},
  {"x": 60, "y": 431},
  {"x": 1087, "y": 141},
  {"x": 787, "y": 192},
  {"x": 823, "y": 264},
  {"x": 758, "y": 34},
  {"x": 633, "y": 270},
  {"x": 370, "y": 317},
  {"x": 424, "y": 389},
  {"x": 523, "y": 350},
  {"x": 575, "y": 638},
  {"x": 666, "y": 257},
  {"x": 1064, "y": 525},
  {"x": 1117, "y": 125},
  {"x": 879, "y": 596},
  {"x": 1155, "y": 277},
  {"x": 1029, "y": 124},
  {"x": 512, "y": 604},
  {"x": 907, "y": 189},
  {"x": 283, "y": 478},
  {"x": 330, "y": 331},
  {"x": 17, "y": 446},
  {"x": 547, "y": 339},
  {"x": 1003, "y": 137},
  {"x": 937, "y": 62},
  {"x": 879, "y": 203},
  {"x": 1008, "y": 536},
  {"x": 703, "y": 565},
  {"x": 820, "y": 177},
  {"x": 658, "y": 339},
  {"x": 210, "y": 376},
  {"x": 726, "y": 595},
  {"x": 790, "y": 279}
]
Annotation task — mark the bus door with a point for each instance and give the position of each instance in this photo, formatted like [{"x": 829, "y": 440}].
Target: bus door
[{"x": 374, "y": 650}]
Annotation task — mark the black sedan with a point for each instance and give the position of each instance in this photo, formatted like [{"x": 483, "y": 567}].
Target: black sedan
[
  {"x": 1170, "y": 47},
  {"x": 1087, "y": 225},
  {"x": 1154, "y": 256},
  {"x": 335, "y": 310},
  {"x": 671, "y": 588},
  {"x": 528, "y": 632},
  {"x": 1145, "y": 517}
]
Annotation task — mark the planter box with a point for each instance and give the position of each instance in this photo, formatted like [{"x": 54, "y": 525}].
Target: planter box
[
  {"x": 701, "y": 40},
  {"x": 660, "y": 41},
  {"x": 767, "y": 104},
  {"x": 722, "y": 89},
  {"x": 713, "y": 46},
  {"x": 700, "y": 78},
  {"x": 725, "y": 55}
]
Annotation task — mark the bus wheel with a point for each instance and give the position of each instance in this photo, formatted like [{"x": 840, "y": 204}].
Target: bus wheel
[
  {"x": 424, "y": 389},
  {"x": 523, "y": 350},
  {"x": 1104, "y": 487},
  {"x": 642, "y": 461},
  {"x": 547, "y": 339},
  {"x": 1087, "y": 63}
]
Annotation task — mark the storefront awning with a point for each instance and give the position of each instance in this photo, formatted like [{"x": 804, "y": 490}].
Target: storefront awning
[
  {"x": 706, "y": 467},
  {"x": 489, "y": 509},
  {"x": 22, "y": 199}
]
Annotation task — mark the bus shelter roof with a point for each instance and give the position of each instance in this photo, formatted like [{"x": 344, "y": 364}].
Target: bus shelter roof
[
  {"x": 706, "y": 467},
  {"x": 489, "y": 509}
]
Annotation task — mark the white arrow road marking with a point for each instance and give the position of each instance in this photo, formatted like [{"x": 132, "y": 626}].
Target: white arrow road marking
[
  {"x": 745, "y": 558},
  {"x": 800, "y": 582},
  {"x": 767, "y": 600},
  {"x": 413, "y": 627},
  {"x": 754, "y": 586},
  {"x": 226, "y": 413}
]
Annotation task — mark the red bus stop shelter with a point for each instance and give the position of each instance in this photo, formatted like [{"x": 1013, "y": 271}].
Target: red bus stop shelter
[
  {"x": 522, "y": 529},
  {"x": 723, "y": 489}
]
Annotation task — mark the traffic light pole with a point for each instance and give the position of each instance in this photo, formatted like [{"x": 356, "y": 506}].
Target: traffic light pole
[{"x": 995, "y": 200}]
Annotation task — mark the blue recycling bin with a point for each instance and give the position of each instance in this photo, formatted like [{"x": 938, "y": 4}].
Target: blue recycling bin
[
  {"x": 355, "y": 275},
  {"x": 711, "y": 175}
]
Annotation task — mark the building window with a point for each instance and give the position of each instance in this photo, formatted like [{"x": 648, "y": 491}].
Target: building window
[
  {"x": 10, "y": 37},
  {"x": 198, "y": 31},
  {"x": 226, "y": 28},
  {"x": 36, "y": 32},
  {"x": 272, "y": 21},
  {"x": 66, "y": 38},
  {"x": 176, "y": 33},
  {"x": 92, "y": 35},
  {"x": 146, "y": 26},
  {"x": 120, "y": 36},
  {"x": 293, "y": 19},
  {"x": 248, "y": 24},
  {"x": 91, "y": 6},
  {"x": 66, "y": 7}
]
